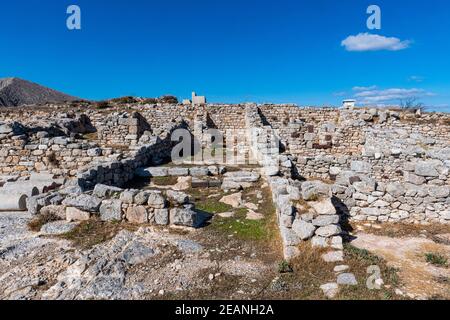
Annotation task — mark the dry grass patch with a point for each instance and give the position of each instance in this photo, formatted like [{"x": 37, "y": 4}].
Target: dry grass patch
[
  {"x": 302, "y": 206},
  {"x": 359, "y": 261},
  {"x": 310, "y": 271},
  {"x": 90, "y": 136},
  {"x": 398, "y": 230},
  {"x": 40, "y": 220},
  {"x": 94, "y": 231},
  {"x": 164, "y": 181}
]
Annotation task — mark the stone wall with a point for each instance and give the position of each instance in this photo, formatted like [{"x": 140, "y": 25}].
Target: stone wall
[
  {"x": 386, "y": 146},
  {"x": 52, "y": 147},
  {"x": 119, "y": 172},
  {"x": 122, "y": 130}
]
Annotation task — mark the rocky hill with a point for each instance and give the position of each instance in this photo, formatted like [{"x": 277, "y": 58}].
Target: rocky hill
[{"x": 16, "y": 92}]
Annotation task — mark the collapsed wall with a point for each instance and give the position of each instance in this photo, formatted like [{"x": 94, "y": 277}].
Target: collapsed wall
[
  {"x": 375, "y": 165},
  {"x": 305, "y": 210},
  {"x": 383, "y": 165}
]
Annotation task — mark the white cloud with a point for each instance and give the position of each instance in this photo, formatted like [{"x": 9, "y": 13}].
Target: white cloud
[
  {"x": 374, "y": 42},
  {"x": 364, "y": 88},
  {"x": 416, "y": 78},
  {"x": 387, "y": 96}
]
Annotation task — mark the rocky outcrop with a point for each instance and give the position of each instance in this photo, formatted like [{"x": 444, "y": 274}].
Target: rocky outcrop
[{"x": 17, "y": 92}]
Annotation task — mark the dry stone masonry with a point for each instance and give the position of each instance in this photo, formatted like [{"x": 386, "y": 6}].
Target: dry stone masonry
[{"x": 324, "y": 166}]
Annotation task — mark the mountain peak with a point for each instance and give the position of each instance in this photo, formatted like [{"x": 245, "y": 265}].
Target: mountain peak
[{"x": 16, "y": 92}]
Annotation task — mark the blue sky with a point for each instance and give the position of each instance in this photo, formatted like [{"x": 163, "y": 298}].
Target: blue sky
[{"x": 233, "y": 50}]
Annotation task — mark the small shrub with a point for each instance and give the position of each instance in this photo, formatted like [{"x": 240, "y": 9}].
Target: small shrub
[
  {"x": 124, "y": 100},
  {"x": 149, "y": 101},
  {"x": 53, "y": 160},
  {"x": 314, "y": 197},
  {"x": 169, "y": 99},
  {"x": 284, "y": 267},
  {"x": 436, "y": 259},
  {"x": 102, "y": 105},
  {"x": 296, "y": 135}
]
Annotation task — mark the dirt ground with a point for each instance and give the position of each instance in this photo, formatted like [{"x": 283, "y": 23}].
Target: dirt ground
[
  {"x": 406, "y": 248},
  {"x": 236, "y": 255}
]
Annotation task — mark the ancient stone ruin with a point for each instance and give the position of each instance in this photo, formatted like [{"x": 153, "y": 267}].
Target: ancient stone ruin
[{"x": 324, "y": 167}]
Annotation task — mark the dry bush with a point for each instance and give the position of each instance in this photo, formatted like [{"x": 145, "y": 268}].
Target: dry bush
[{"x": 40, "y": 220}]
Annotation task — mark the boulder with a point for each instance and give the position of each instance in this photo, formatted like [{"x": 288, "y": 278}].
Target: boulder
[
  {"x": 286, "y": 221},
  {"x": 104, "y": 191},
  {"x": 156, "y": 200},
  {"x": 229, "y": 184},
  {"x": 294, "y": 193},
  {"x": 243, "y": 176},
  {"x": 177, "y": 197},
  {"x": 128, "y": 196},
  {"x": 323, "y": 207},
  {"x": 6, "y": 128},
  {"x": 141, "y": 197},
  {"x": 74, "y": 214},
  {"x": 234, "y": 200},
  {"x": 360, "y": 166},
  {"x": 333, "y": 256},
  {"x": 137, "y": 215},
  {"x": 199, "y": 183},
  {"x": 334, "y": 171},
  {"x": 371, "y": 211},
  {"x": 312, "y": 190},
  {"x": 54, "y": 210},
  {"x": 271, "y": 170},
  {"x": 415, "y": 179},
  {"x": 439, "y": 191},
  {"x": 330, "y": 290},
  {"x": 94, "y": 152},
  {"x": 289, "y": 237},
  {"x": 184, "y": 216},
  {"x": 366, "y": 186},
  {"x": 427, "y": 168},
  {"x": 36, "y": 203},
  {"x": 303, "y": 229},
  {"x": 341, "y": 268},
  {"x": 320, "y": 242},
  {"x": 380, "y": 204},
  {"x": 152, "y": 172},
  {"x": 348, "y": 279},
  {"x": 199, "y": 171},
  {"x": 178, "y": 172},
  {"x": 329, "y": 231},
  {"x": 136, "y": 252},
  {"x": 285, "y": 206},
  {"x": 325, "y": 220},
  {"x": 84, "y": 202},
  {"x": 162, "y": 217},
  {"x": 58, "y": 227},
  {"x": 111, "y": 210},
  {"x": 396, "y": 189},
  {"x": 445, "y": 215},
  {"x": 337, "y": 243}
]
